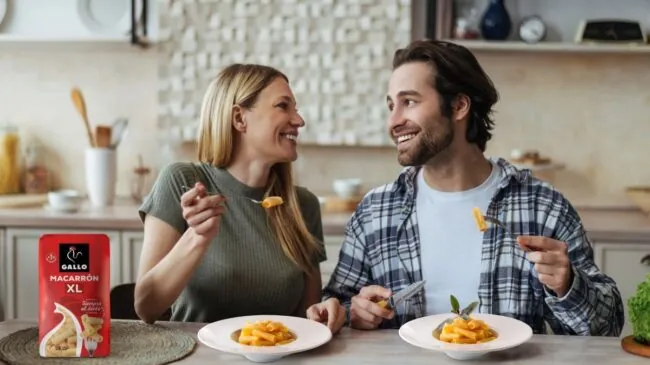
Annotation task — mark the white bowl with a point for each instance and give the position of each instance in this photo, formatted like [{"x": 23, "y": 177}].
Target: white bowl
[
  {"x": 64, "y": 200},
  {"x": 309, "y": 335},
  {"x": 510, "y": 333},
  {"x": 347, "y": 188}
]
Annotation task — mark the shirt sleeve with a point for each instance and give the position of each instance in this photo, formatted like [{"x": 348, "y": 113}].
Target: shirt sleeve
[
  {"x": 352, "y": 271},
  {"x": 593, "y": 304}
]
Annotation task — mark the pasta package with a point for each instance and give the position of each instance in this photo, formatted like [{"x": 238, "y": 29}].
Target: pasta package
[{"x": 74, "y": 318}]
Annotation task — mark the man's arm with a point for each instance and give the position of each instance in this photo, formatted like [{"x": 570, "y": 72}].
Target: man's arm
[
  {"x": 593, "y": 304},
  {"x": 352, "y": 271}
]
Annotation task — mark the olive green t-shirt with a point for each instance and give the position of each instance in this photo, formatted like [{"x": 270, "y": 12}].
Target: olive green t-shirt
[{"x": 244, "y": 271}]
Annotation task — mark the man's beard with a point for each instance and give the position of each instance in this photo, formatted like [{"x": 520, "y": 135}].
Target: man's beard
[{"x": 429, "y": 146}]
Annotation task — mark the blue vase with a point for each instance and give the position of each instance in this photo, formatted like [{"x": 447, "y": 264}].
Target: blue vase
[{"x": 496, "y": 23}]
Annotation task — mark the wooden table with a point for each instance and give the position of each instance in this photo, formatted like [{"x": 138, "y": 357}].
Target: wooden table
[{"x": 386, "y": 347}]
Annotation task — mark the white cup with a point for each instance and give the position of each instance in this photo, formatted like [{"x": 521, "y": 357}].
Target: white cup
[{"x": 101, "y": 176}]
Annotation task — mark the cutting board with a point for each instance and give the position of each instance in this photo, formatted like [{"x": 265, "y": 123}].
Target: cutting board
[
  {"x": 335, "y": 204},
  {"x": 630, "y": 345},
  {"x": 22, "y": 200}
]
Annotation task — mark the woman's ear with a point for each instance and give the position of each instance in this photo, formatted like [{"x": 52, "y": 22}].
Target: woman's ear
[
  {"x": 460, "y": 107},
  {"x": 238, "y": 120}
]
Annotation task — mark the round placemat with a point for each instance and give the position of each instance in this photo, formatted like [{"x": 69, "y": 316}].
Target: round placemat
[{"x": 131, "y": 343}]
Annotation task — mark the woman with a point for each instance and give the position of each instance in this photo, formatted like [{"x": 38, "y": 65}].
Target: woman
[{"x": 210, "y": 251}]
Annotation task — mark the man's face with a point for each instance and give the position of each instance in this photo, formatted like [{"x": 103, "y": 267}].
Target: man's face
[{"x": 416, "y": 123}]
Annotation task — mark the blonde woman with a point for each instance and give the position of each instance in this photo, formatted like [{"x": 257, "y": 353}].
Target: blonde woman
[{"x": 210, "y": 251}]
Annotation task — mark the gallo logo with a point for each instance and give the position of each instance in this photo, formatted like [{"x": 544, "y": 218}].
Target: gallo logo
[{"x": 74, "y": 257}]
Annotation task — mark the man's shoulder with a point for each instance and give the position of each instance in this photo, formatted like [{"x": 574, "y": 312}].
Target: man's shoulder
[
  {"x": 523, "y": 186},
  {"x": 388, "y": 198}
]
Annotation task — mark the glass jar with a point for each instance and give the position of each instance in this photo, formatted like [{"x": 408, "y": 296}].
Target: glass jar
[
  {"x": 9, "y": 159},
  {"x": 36, "y": 179}
]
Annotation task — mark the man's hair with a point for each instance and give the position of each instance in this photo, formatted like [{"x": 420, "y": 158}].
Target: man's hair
[{"x": 455, "y": 71}]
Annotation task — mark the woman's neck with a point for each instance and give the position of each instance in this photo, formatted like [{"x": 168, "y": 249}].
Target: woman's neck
[{"x": 251, "y": 173}]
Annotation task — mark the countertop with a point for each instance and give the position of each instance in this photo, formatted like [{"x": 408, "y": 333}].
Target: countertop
[
  {"x": 386, "y": 347},
  {"x": 609, "y": 223}
]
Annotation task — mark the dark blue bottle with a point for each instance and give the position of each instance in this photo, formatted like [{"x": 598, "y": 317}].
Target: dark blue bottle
[{"x": 496, "y": 23}]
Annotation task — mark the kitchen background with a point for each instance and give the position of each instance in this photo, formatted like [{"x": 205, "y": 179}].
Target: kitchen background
[
  {"x": 584, "y": 107},
  {"x": 588, "y": 111}
]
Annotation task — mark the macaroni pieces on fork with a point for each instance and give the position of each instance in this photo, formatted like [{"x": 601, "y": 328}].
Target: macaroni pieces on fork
[
  {"x": 265, "y": 333},
  {"x": 470, "y": 331}
]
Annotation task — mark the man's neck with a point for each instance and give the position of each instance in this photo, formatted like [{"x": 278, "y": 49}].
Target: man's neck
[{"x": 458, "y": 170}]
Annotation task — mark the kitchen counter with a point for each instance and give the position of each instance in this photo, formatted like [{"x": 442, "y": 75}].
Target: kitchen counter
[
  {"x": 628, "y": 224},
  {"x": 386, "y": 347}
]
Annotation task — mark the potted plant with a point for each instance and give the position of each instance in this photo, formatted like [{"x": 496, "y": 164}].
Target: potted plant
[{"x": 639, "y": 313}]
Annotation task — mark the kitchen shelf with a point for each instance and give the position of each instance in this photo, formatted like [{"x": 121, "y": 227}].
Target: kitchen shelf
[
  {"x": 94, "y": 42},
  {"x": 552, "y": 47}
]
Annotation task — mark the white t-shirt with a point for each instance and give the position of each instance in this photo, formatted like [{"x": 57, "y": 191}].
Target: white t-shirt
[{"x": 450, "y": 242}]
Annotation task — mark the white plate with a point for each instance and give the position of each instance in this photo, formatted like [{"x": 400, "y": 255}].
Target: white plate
[
  {"x": 3, "y": 10},
  {"x": 108, "y": 16},
  {"x": 309, "y": 335},
  {"x": 510, "y": 333}
]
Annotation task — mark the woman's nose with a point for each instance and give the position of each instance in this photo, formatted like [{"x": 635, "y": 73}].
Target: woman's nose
[{"x": 298, "y": 121}]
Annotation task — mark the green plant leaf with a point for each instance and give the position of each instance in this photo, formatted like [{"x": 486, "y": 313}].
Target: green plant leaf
[
  {"x": 455, "y": 307},
  {"x": 639, "y": 312},
  {"x": 469, "y": 309}
]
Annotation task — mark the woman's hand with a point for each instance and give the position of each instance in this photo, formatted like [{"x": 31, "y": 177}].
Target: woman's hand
[
  {"x": 329, "y": 312},
  {"x": 202, "y": 212}
]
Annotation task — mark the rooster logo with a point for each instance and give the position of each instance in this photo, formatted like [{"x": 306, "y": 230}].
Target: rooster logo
[{"x": 72, "y": 254}]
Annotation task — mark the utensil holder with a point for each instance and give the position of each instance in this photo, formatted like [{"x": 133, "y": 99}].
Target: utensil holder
[{"x": 101, "y": 176}]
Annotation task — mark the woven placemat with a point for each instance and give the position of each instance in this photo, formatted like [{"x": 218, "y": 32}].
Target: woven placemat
[{"x": 131, "y": 343}]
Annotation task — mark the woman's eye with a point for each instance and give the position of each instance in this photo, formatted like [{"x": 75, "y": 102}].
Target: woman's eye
[{"x": 283, "y": 106}]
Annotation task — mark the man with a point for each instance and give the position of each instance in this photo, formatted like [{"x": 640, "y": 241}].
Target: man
[{"x": 420, "y": 227}]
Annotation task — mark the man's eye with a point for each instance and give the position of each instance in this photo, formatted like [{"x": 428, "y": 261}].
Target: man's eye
[{"x": 409, "y": 102}]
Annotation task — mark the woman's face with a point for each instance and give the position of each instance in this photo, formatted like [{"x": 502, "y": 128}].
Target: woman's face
[{"x": 269, "y": 129}]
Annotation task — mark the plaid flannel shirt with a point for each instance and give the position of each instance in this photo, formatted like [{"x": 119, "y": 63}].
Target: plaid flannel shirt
[{"x": 382, "y": 247}]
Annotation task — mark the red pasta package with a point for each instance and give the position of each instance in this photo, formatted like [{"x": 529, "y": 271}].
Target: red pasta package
[{"x": 74, "y": 318}]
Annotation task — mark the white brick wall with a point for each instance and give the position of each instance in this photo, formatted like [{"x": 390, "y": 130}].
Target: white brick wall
[{"x": 337, "y": 54}]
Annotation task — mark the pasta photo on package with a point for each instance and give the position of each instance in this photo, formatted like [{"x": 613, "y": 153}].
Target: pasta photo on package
[{"x": 74, "y": 317}]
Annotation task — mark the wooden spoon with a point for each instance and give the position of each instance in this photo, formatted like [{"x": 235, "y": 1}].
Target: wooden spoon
[
  {"x": 103, "y": 136},
  {"x": 80, "y": 104}
]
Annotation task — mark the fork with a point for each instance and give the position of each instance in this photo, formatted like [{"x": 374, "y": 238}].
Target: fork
[
  {"x": 500, "y": 224},
  {"x": 508, "y": 231},
  {"x": 185, "y": 189}
]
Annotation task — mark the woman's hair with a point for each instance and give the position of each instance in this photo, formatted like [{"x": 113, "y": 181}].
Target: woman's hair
[{"x": 241, "y": 84}]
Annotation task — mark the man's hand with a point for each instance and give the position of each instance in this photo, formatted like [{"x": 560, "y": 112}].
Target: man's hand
[
  {"x": 365, "y": 313},
  {"x": 330, "y": 312},
  {"x": 551, "y": 261}
]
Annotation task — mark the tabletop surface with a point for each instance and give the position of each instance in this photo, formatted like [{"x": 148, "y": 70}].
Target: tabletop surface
[{"x": 386, "y": 347}]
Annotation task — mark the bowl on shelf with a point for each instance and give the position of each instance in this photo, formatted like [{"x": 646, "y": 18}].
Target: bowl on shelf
[
  {"x": 347, "y": 188},
  {"x": 640, "y": 195}
]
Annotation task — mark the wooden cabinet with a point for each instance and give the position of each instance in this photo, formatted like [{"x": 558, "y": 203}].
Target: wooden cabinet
[
  {"x": 622, "y": 262},
  {"x": 131, "y": 248},
  {"x": 332, "y": 248},
  {"x": 20, "y": 262}
]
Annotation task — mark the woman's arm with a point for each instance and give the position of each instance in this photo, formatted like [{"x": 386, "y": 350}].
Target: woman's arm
[
  {"x": 167, "y": 262},
  {"x": 312, "y": 293}
]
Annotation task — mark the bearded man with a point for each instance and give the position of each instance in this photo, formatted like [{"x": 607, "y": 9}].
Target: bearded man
[{"x": 420, "y": 227}]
